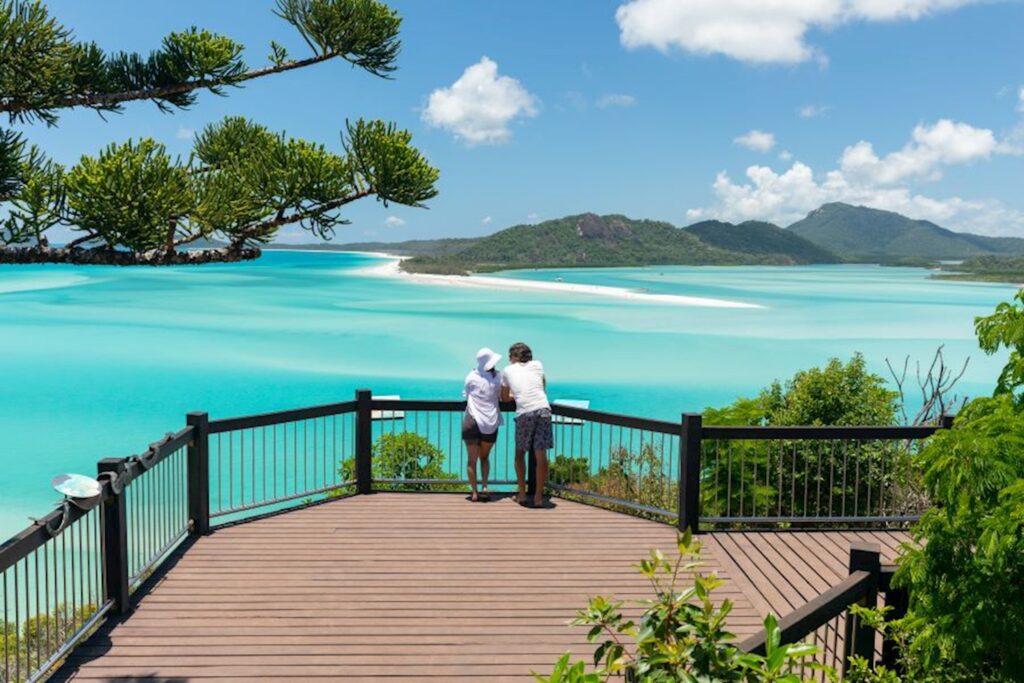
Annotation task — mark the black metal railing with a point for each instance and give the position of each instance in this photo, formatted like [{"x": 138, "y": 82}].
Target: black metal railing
[
  {"x": 69, "y": 570},
  {"x": 64, "y": 574},
  {"x": 828, "y": 622},
  {"x": 810, "y": 475},
  {"x": 265, "y": 461}
]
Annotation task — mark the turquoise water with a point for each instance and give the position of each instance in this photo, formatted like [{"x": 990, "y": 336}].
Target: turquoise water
[{"x": 101, "y": 361}]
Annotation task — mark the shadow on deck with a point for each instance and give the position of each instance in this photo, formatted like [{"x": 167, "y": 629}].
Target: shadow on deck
[{"x": 417, "y": 586}]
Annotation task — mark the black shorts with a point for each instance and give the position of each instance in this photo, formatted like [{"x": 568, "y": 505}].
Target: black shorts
[{"x": 471, "y": 433}]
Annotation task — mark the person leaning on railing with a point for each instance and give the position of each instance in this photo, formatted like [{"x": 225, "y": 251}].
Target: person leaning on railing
[
  {"x": 523, "y": 380},
  {"x": 482, "y": 419}
]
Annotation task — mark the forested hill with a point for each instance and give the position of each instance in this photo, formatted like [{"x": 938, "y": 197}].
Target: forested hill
[
  {"x": 613, "y": 240},
  {"x": 860, "y": 233},
  {"x": 757, "y": 237}
]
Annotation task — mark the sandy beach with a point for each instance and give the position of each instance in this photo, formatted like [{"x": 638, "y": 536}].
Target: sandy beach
[{"x": 391, "y": 269}]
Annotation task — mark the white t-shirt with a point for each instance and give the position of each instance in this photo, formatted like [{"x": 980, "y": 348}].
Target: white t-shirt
[
  {"x": 483, "y": 392},
  {"x": 526, "y": 383}
]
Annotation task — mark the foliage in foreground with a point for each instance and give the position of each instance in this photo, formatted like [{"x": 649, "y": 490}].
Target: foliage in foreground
[
  {"x": 39, "y": 636},
  {"x": 681, "y": 636},
  {"x": 964, "y": 569},
  {"x": 404, "y": 455},
  {"x": 134, "y": 202}
]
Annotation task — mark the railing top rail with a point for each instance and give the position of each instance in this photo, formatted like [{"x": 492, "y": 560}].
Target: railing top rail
[
  {"x": 818, "y": 432},
  {"x": 266, "y": 419},
  {"x": 37, "y": 534},
  {"x": 20, "y": 545},
  {"x": 816, "y": 613},
  {"x": 615, "y": 419}
]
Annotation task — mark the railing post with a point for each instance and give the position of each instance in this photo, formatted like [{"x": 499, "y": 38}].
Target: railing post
[
  {"x": 946, "y": 421},
  {"x": 364, "y": 441},
  {"x": 898, "y": 601},
  {"x": 689, "y": 472},
  {"x": 199, "y": 472},
  {"x": 115, "y": 541},
  {"x": 860, "y": 638}
]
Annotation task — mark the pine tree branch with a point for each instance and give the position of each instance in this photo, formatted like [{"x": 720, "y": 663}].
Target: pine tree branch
[
  {"x": 106, "y": 100},
  {"x": 286, "y": 219}
]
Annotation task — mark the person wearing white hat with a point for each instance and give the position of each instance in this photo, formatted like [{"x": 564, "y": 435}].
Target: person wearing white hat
[{"x": 482, "y": 419}]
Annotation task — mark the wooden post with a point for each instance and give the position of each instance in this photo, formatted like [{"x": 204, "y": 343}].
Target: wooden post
[
  {"x": 199, "y": 472},
  {"x": 364, "y": 441},
  {"x": 115, "y": 541},
  {"x": 860, "y": 638},
  {"x": 898, "y": 601},
  {"x": 946, "y": 421},
  {"x": 689, "y": 472}
]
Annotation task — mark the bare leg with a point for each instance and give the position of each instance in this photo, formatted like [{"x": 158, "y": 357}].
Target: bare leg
[
  {"x": 542, "y": 477},
  {"x": 485, "y": 466},
  {"x": 473, "y": 451},
  {"x": 520, "y": 476}
]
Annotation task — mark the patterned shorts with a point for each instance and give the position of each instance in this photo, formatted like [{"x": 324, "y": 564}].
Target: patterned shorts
[{"x": 533, "y": 431}]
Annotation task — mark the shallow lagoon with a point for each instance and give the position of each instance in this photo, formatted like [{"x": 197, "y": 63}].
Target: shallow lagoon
[{"x": 101, "y": 361}]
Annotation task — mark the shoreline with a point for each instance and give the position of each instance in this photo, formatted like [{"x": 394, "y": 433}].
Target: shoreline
[{"x": 391, "y": 269}]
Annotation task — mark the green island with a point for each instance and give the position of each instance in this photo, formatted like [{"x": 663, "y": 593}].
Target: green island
[{"x": 833, "y": 233}]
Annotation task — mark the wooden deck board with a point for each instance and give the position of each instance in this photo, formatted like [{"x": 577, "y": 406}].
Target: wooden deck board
[{"x": 410, "y": 587}]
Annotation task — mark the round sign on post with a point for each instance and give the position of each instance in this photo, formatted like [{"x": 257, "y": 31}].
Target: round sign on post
[{"x": 77, "y": 487}]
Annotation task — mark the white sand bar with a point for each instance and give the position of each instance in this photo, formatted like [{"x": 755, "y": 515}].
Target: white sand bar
[{"x": 391, "y": 269}]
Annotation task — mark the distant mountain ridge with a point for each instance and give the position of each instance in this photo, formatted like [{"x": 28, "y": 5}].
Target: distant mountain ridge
[
  {"x": 833, "y": 233},
  {"x": 616, "y": 240},
  {"x": 860, "y": 233},
  {"x": 758, "y": 237}
]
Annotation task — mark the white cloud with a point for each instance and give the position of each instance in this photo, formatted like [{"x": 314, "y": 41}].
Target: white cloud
[
  {"x": 931, "y": 147},
  {"x": 757, "y": 140},
  {"x": 865, "y": 179},
  {"x": 486, "y": 220},
  {"x": 755, "y": 31},
  {"x": 480, "y": 105},
  {"x": 1020, "y": 99},
  {"x": 810, "y": 111},
  {"x": 393, "y": 221},
  {"x": 785, "y": 155},
  {"x": 185, "y": 133},
  {"x": 615, "y": 100},
  {"x": 533, "y": 217}
]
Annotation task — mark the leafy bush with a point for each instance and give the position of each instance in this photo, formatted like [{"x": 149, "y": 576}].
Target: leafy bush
[
  {"x": 811, "y": 478},
  {"x": 636, "y": 476},
  {"x": 404, "y": 456},
  {"x": 43, "y": 633},
  {"x": 965, "y": 568},
  {"x": 681, "y": 636}
]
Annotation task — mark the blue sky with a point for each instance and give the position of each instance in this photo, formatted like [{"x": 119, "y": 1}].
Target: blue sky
[{"x": 641, "y": 107}]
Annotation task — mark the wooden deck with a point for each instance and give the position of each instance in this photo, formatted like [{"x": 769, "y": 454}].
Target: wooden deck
[{"x": 421, "y": 586}]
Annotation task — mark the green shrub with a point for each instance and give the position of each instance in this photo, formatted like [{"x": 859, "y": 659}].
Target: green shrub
[
  {"x": 405, "y": 455},
  {"x": 681, "y": 636}
]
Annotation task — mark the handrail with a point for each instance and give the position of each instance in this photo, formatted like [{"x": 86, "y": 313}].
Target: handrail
[
  {"x": 812, "y": 615},
  {"x": 824, "y": 432},
  {"x": 267, "y": 419}
]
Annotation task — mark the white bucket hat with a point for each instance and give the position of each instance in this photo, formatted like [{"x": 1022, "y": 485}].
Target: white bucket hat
[{"x": 486, "y": 359}]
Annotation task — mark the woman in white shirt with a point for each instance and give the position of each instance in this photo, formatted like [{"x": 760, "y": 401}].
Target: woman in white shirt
[
  {"x": 523, "y": 380},
  {"x": 482, "y": 419}
]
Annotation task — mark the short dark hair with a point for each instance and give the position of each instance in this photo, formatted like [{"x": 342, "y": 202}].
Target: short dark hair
[{"x": 520, "y": 353}]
